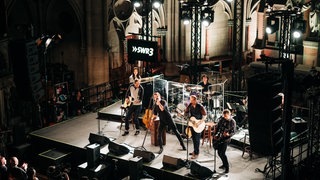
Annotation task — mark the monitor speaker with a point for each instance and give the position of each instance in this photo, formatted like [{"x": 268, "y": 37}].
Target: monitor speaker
[
  {"x": 146, "y": 155},
  {"x": 172, "y": 162},
  {"x": 96, "y": 138},
  {"x": 200, "y": 171},
  {"x": 93, "y": 155},
  {"x": 117, "y": 149}
]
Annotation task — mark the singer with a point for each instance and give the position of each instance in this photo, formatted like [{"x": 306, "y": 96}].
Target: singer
[{"x": 160, "y": 109}]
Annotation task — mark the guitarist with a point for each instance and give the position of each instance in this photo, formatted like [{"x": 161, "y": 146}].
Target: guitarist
[
  {"x": 197, "y": 111},
  {"x": 160, "y": 109},
  {"x": 135, "y": 91},
  {"x": 225, "y": 129}
]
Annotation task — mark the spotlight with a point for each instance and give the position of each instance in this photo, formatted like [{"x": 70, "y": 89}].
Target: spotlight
[
  {"x": 272, "y": 25},
  {"x": 297, "y": 34},
  {"x": 186, "y": 14},
  {"x": 136, "y": 3},
  {"x": 207, "y": 16},
  {"x": 206, "y": 22},
  {"x": 156, "y": 4},
  {"x": 298, "y": 28},
  {"x": 186, "y": 18}
]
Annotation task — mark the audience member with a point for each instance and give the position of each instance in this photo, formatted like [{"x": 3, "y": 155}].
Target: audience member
[
  {"x": 3, "y": 168},
  {"x": 32, "y": 174},
  {"x": 16, "y": 172}
]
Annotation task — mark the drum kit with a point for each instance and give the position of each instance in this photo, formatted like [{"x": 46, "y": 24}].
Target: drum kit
[{"x": 212, "y": 100}]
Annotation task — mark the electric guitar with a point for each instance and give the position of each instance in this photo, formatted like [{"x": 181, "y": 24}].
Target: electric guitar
[
  {"x": 218, "y": 139},
  {"x": 194, "y": 123}
]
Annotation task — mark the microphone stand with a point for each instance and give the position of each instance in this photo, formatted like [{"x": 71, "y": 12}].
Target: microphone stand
[
  {"x": 145, "y": 136},
  {"x": 188, "y": 129}
]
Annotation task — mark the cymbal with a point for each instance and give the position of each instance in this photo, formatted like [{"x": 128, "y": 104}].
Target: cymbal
[
  {"x": 213, "y": 93},
  {"x": 198, "y": 87},
  {"x": 177, "y": 85}
]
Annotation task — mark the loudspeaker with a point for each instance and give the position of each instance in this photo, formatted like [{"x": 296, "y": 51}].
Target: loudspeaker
[
  {"x": 96, "y": 138},
  {"x": 93, "y": 155},
  {"x": 146, "y": 155},
  {"x": 172, "y": 162},
  {"x": 200, "y": 171},
  {"x": 136, "y": 168},
  {"x": 117, "y": 149},
  {"x": 26, "y": 69},
  {"x": 265, "y": 113}
]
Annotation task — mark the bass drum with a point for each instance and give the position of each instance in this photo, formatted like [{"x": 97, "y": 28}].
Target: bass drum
[
  {"x": 181, "y": 108},
  {"x": 123, "y": 9}
]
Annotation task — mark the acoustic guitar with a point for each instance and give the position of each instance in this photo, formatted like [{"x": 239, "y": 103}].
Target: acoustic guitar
[
  {"x": 127, "y": 102},
  {"x": 194, "y": 123}
]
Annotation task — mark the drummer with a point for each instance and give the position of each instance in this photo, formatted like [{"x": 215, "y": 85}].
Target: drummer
[{"x": 205, "y": 84}]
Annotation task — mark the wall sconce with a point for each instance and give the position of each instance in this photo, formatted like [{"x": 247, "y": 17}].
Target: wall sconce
[{"x": 272, "y": 24}]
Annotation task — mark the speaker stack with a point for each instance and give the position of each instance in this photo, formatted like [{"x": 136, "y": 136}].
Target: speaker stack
[{"x": 93, "y": 155}]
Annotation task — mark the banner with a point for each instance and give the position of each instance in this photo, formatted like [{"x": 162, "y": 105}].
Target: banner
[{"x": 141, "y": 50}]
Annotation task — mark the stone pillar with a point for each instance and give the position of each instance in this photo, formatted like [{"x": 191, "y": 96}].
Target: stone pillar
[
  {"x": 311, "y": 53},
  {"x": 97, "y": 65}
]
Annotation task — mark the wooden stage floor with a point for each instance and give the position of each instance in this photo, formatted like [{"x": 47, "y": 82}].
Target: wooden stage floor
[{"x": 72, "y": 136}]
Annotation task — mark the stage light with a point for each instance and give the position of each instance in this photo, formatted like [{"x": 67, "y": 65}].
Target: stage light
[
  {"x": 206, "y": 22},
  {"x": 207, "y": 16},
  {"x": 298, "y": 28},
  {"x": 156, "y": 3},
  {"x": 186, "y": 18},
  {"x": 272, "y": 25},
  {"x": 136, "y": 3}
]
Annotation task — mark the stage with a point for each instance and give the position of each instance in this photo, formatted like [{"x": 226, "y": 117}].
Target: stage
[{"x": 71, "y": 138}]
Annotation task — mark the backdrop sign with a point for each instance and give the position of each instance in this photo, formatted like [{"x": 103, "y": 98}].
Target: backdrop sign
[{"x": 142, "y": 50}]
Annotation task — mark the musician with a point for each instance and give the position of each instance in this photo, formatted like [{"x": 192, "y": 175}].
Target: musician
[
  {"x": 205, "y": 84},
  {"x": 135, "y": 75},
  {"x": 197, "y": 111},
  {"x": 135, "y": 95},
  {"x": 160, "y": 109},
  {"x": 225, "y": 129}
]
